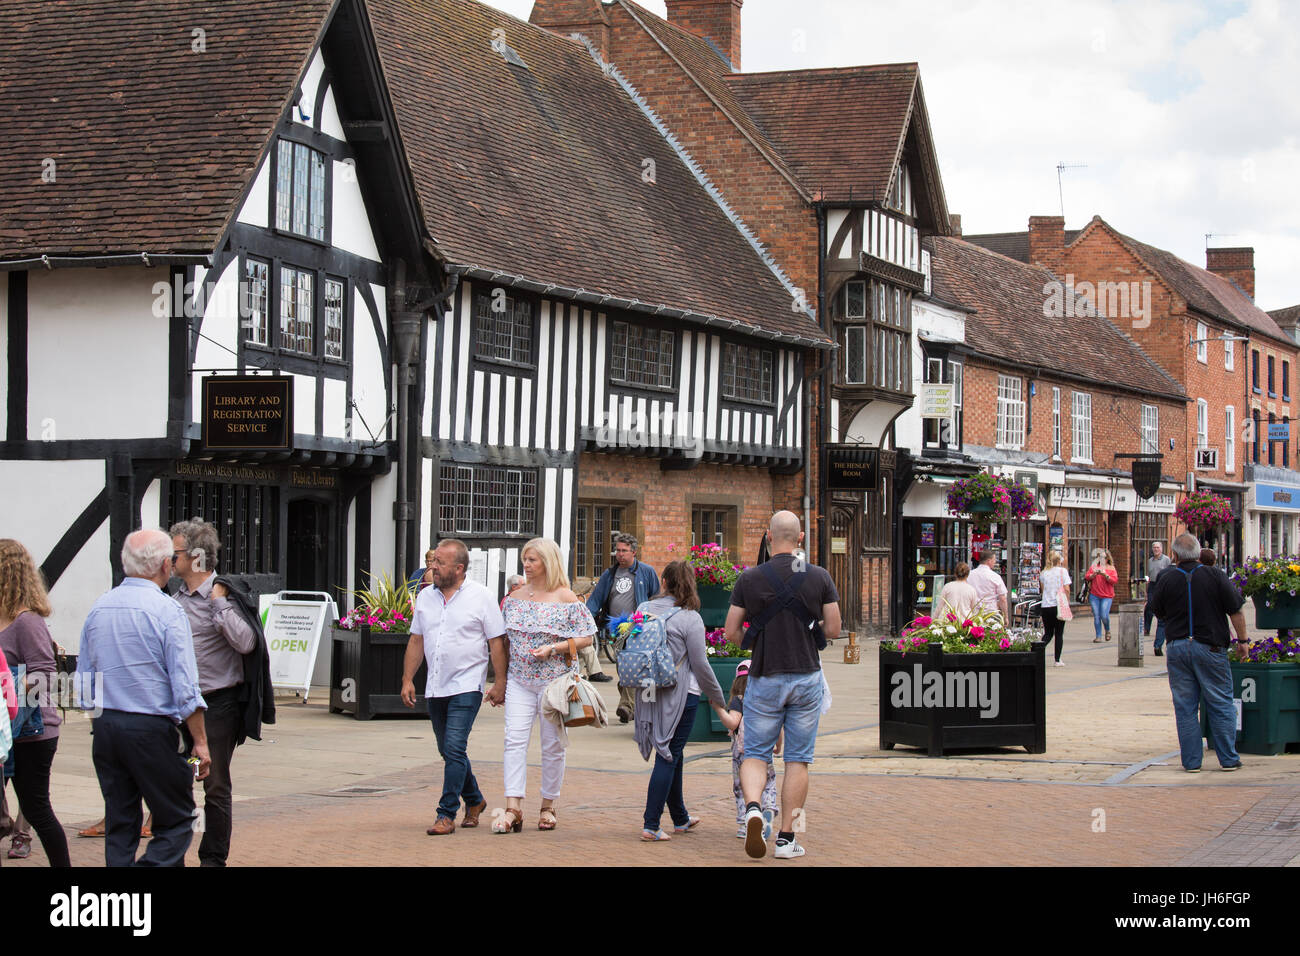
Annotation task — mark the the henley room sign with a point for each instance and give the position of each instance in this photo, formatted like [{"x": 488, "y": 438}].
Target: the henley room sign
[{"x": 248, "y": 413}]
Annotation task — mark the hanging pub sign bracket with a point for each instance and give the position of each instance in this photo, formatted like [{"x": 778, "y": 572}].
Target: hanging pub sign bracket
[{"x": 248, "y": 413}]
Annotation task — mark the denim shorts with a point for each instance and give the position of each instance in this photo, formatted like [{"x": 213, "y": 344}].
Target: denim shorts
[{"x": 790, "y": 702}]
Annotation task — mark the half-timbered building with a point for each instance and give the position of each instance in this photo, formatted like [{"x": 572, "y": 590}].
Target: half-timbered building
[
  {"x": 835, "y": 170},
  {"x": 499, "y": 297}
]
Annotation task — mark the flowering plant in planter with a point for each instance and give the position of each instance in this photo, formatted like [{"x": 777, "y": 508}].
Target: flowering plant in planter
[
  {"x": 1203, "y": 510},
  {"x": 1010, "y": 500},
  {"x": 713, "y": 565},
  {"x": 984, "y": 632},
  {"x": 1267, "y": 650},
  {"x": 384, "y": 606},
  {"x": 717, "y": 645},
  {"x": 1268, "y": 578}
]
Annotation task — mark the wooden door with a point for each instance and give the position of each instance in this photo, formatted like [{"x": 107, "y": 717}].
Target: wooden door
[{"x": 846, "y": 562}]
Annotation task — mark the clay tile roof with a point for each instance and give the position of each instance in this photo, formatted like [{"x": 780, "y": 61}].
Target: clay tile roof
[
  {"x": 1007, "y": 323},
  {"x": 1208, "y": 293},
  {"x": 1286, "y": 318},
  {"x": 840, "y": 130},
  {"x": 1013, "y": 245},
  {"x": 538, "y": 172},
  {"x": 152, "y": 143}
]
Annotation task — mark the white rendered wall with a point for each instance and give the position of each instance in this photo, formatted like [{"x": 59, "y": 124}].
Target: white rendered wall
[
  {"x": 220, "y": 328},
  {"x": 97, "y": 354},
  {"x": 368, "y": 368},
  {"x": 935, "y": 322},
  {"x": 383, "y": 529},
  {"x": 351, "y": 224},
  {"x": 256, "y": 208},
  {"x": 330, "y": 124},
  {"x": 39, "y": 500},
  {"x": 334, "y": 412},
  {"x": 310, "y": 80},
  {"x": 151, "y": 506}
]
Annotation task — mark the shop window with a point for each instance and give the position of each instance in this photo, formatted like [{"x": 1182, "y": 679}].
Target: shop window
[
  {"x": 487, "y": 500},
  {"x": 1082, "y": 535},
  {"x": 596, "y": 523},
  {"x": 1147, "y": 527},
  {"x": 247, "y": 519}
]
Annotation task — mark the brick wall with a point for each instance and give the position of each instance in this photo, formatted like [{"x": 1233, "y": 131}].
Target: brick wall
[
  {"x": 662, "y": 501},
  {"x": 716, "y": 20}
]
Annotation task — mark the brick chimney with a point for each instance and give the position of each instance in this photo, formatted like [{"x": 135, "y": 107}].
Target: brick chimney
[
  {"x": 954, "y": 223},
  {"x": 1047, "y": 242},
  {"x": 1236, "y": 265},
  {"x": 714, "y": 20},
  {"x": 574, "y": 16}
]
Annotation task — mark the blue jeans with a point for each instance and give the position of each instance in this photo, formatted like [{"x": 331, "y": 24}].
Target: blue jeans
[
  {"x": 452, "y": 719},
  {"x": 666, "y": 778},
  {"x": 1198, "y": 672},
  {"x": 789, "y": 702},
  {"x": 1160, "y": 633},
  {"x": 1100, "y": 612}
]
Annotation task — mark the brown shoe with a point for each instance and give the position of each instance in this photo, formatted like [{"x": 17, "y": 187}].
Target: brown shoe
[
  {"x": 624, "y": 715},
  {"x": 94, "y": 830},
  {"x": 442, "y": 827},
  {"x": 471, "y": 815}
]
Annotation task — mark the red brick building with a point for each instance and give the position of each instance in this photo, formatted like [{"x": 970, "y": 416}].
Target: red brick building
[
  {"x": 834, "y": 172},
  {"x": 1203, "y": 329}
]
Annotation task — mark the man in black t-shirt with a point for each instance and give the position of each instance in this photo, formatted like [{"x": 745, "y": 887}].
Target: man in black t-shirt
[
  {"x": 1195, "y": 603},
  {"x": 783, "y": 600}
]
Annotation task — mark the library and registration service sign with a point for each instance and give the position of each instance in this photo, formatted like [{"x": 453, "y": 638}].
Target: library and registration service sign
[{"x": 248, "y": 413}]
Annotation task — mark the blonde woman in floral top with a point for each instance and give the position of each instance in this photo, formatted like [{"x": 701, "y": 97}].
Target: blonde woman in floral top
[{"x": 541, "y": 616}]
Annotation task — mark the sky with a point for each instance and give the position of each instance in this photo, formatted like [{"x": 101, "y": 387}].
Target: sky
[{"x": 1177, "y": 119}]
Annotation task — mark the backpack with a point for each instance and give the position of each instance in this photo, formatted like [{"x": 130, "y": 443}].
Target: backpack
[
  {"x": 785, "y": 598},
  {"x": 645, "y": 660}
]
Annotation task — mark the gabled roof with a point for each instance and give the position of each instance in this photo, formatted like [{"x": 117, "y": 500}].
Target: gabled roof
[
  {"x": 540, "y": 172},
  {"x": 1208, "y": 293},
  {"x": 1008, "y": 323},
  {"x": 1286, "y": 318},
  {"x": 1212, "y": 295},
  {"x": 834, "y": 133},
  {"x": 151, "y": 142}
]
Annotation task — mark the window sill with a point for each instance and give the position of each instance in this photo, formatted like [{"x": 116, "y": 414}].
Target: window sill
[
  {"x": 505, "y": 364},
  {"x": 1256, "y": 389},
  {"x": 1082, "y": 461}
]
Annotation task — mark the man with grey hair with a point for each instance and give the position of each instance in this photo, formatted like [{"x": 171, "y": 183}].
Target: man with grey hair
[
  {"x": 1155, "y": 565},
  {"x": 625, "y": 585},
  {"x": 137, "y": 640},
  {"x": 783, "y": 600},
  {"x": 221, "y": 639},
  {"x": 1195, "y": 605}
]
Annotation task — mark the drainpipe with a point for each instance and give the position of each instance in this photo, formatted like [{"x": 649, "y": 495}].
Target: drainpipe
[
  {"x": 823, "y": 431},
  {"x": 406, "y": 339}
]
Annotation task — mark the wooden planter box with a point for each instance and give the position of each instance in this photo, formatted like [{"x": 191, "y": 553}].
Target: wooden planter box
[
  {"x": 707, "y": 727},
  {"x": 1270, "y": 720},
  {"x": 366, "y": 675},
  {"x": 714, "y": 603},
  {"x": 1285, "y": 613},
  {"x": 945, "y": 712}
]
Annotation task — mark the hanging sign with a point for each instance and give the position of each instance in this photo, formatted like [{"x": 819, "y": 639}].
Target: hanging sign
[
  {"x": 1279, "y": 431},
  {"x": 248, "y": 412},
  {"x": 852, "y": 469},
  {"x": 1146, "y": 477},
  {"x": 937, "y": 400}
]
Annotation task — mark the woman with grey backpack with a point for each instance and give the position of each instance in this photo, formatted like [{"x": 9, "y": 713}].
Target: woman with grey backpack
[{"x": 664, "y": 715}]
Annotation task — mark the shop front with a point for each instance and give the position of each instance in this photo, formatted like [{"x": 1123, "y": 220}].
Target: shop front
[
  {"x": 1272, "y": 510},
  {"x": 1229, "y": 543}
]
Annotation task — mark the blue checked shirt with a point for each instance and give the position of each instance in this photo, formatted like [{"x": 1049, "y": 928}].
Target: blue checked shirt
[{"x": 139, "y": 639}]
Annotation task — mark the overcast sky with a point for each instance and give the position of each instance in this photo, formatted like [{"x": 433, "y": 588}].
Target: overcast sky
[{"x": 1186, "y": 115}]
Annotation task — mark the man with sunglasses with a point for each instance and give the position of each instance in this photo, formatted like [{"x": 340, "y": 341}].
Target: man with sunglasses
[{"x": 221, "y": 639}]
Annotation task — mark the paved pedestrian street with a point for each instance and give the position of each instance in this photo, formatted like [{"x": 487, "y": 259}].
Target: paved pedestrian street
[{"x": 325, "y": 790}]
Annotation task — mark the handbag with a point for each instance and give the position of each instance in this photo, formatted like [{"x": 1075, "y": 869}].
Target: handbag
[
  {"x": 1063, "y": 611},
  {"x": 1085, "y": 589},
  {"x": 582, "y": 709}
]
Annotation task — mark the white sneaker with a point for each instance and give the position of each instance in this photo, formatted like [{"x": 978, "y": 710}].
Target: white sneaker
[
  {"x": 740, "y": 833},
  {"x": 788, "y": 851},
  {"x": 769, "y": 816},
  {"x": 755, "y": 845},
  {"x": 1060, "y": 663}
]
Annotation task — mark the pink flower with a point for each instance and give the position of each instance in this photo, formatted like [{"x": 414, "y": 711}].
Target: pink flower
[
  {"x": 953, "y": 617},
  {"x": 967, "y": 623},
  {"x": 925, "y": 621},
  {"x": 976, "y": 632},
  {"x": 1006, "y": 642}
]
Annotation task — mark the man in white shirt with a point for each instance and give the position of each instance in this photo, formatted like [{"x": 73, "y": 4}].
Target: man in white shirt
[
  {"x": 456, "y": 624},
  {"x": 989, "y": 586}
]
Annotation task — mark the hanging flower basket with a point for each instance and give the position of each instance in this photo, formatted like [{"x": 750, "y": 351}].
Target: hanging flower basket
[
  {"x": 1204, "y": 511},
  {"x": 987, "y": 498}
]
